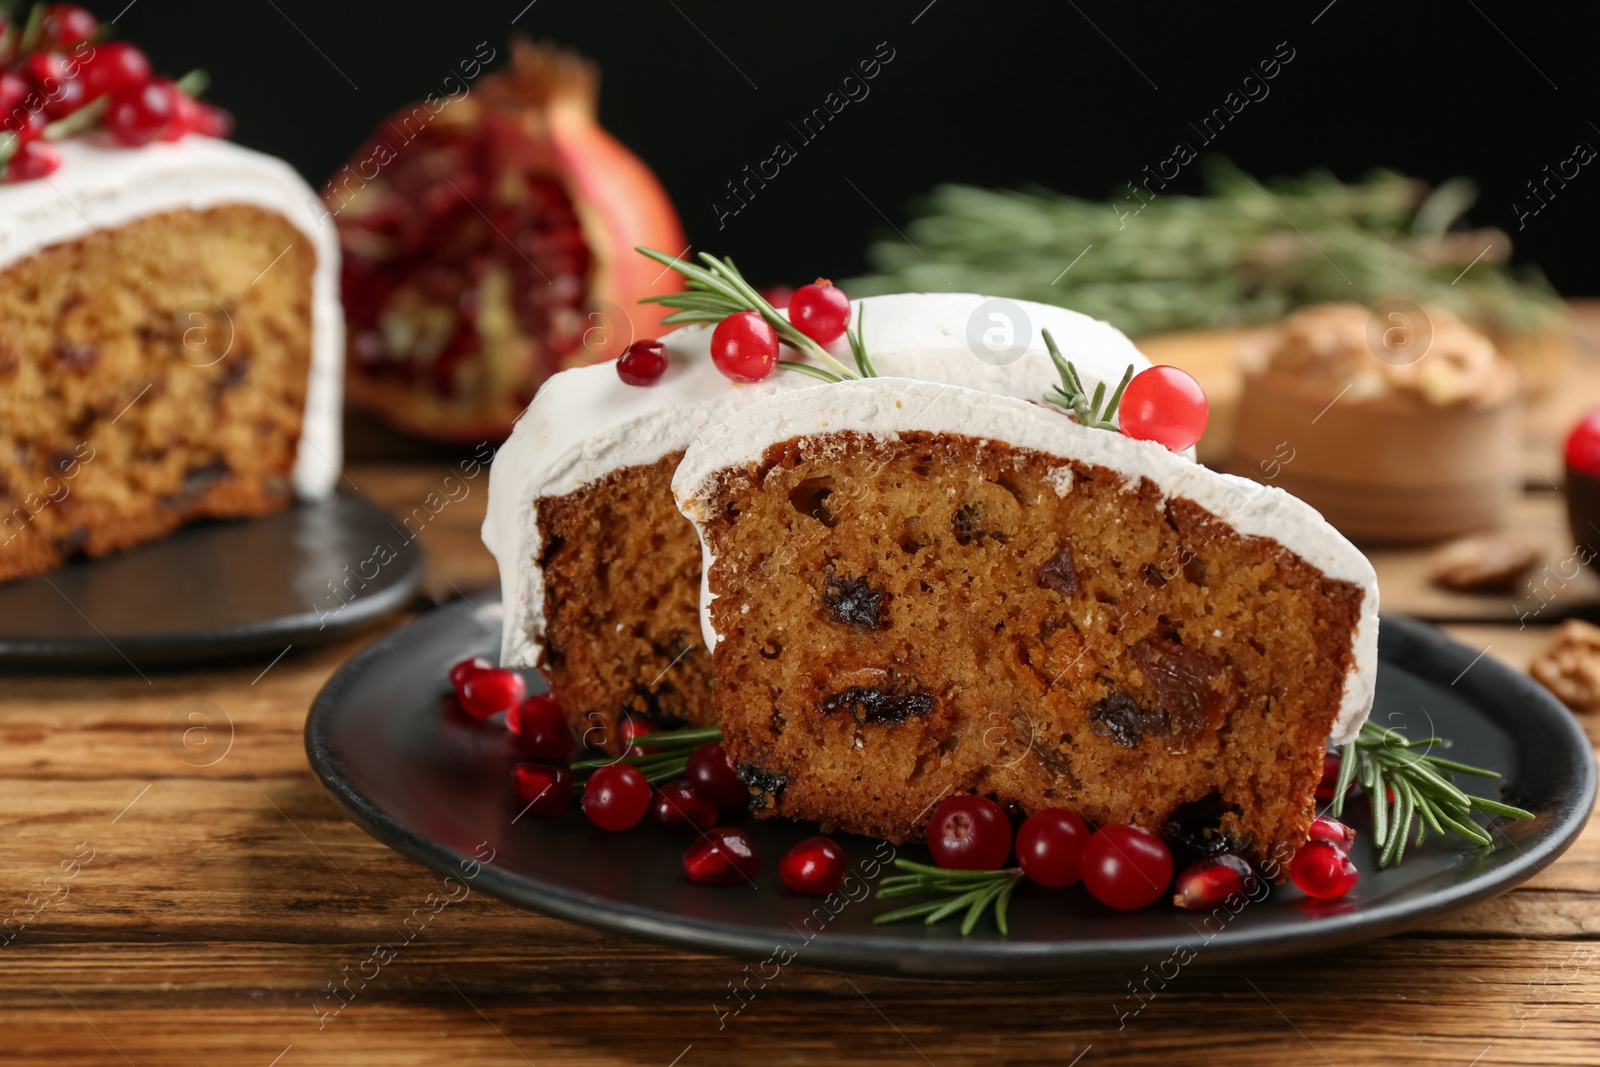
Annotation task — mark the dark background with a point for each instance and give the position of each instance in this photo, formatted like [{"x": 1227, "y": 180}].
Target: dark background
[{"x": 997, "y": 94}]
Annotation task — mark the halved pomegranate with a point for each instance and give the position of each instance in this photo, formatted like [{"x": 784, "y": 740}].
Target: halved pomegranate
[{"x": 488, "y": 243}]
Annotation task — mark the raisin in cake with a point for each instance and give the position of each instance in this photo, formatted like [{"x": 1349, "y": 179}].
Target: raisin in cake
[
  {"x": 170, "y": 346},
  {"x": 601, "y": 575},
  {"x": 998, "y": 600}
]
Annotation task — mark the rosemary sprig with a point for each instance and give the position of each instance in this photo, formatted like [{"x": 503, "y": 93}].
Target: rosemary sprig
[
  {"x": 31, "y": 28},
  {"x": 971, "y": 891},
  {"x": 666, "y": 753},
  {"x": 717, "y": 290},
  {"x": 1384, "y": 761},
  {"x": 1070, "y": 393}
]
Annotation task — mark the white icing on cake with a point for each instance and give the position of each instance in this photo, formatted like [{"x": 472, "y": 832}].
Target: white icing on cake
[
  {"x": 886, "y": 406},
  {"x": 585, "y": 423},
  {"x": 101, "y": 185}
]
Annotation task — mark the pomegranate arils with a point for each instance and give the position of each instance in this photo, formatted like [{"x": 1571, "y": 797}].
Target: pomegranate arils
[
  {"x": 1126, "y": 866},
  {"x": 544, "y": 789},
  {"x": 744, "y": 347},
  {"x": 138, "y": 116},
  {"x": 969, "y": 833},
  {"x": 460, "y": 671},
  {"x": 1050, "y": 846},
  {"x": 1214, "y": 880},
  {"x": 67, "y": 24},
  {"x": 821, "y": 311},
  {"x": 1322, "y": 870},
  {"x": 541, "y": 727},
  {"x": 722, "y": 856},
  {"x": 642, "y": 363},
  {"x": 616, "y": 797},
  {"x": 1327, "y": 828},
  {"x": 713, "y": 777},
  {"x": 493, "y": 689},
  {"x": 815, "y": 865},
  {"x": 114, "y": 67},
  {"x": 33, "y": 160},
  {"x": 678, "y": 807}
]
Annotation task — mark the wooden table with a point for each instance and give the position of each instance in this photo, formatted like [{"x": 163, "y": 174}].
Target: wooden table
[{"x": 212, "y": 905}]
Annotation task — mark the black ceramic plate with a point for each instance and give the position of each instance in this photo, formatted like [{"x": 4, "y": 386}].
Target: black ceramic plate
[
  {"x": 435, "y": 787},
  {"x": 216, "y": 590}
]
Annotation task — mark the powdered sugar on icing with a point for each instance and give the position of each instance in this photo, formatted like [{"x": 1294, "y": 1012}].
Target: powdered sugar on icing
[
  {"x": 101, "y": 185},
  {"x": 887, "y": 406},
  {"x": 586, "y": 423}
]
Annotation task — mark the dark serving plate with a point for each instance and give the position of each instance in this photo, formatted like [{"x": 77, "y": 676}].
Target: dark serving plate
[
  {"x": 216, "y": 590},
  {"x": 435, "y": 786}
]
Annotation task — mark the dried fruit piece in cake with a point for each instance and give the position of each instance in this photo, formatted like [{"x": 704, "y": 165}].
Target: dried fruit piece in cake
[{"x": 1065, "y": 617}]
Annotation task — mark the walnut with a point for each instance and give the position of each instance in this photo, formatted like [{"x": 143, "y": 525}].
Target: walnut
[
  {"x": 1570, "y": 667},
  {"x": 1481, "y": 563}
]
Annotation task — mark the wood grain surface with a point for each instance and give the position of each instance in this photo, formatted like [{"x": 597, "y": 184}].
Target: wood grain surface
[{"x": 182, "y": 891}]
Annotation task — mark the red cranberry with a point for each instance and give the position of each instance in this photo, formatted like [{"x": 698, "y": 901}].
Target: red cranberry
[
  {"x": 47, "y": 71},
  {"x": 66, "y": 98},
  {"x": 33, "y": 160},
  {"x": 67, "y": 24},
  {"x": 969, "y": 833},
  {"x": 13, "y": 90},
  {"x": 721, "y": 857},
  {"x": 642, "y": 363},
  {"x": 1165, "y": 405},
  {"x": 616, "y": 797},
  {"x": 1322, "y": 870},
  {"x": 821, "y": 311},
  {"x": 744, "y": 347},
  {"x": 815, "y": 865},
  {"x": 493, "y": 689},
  {"x": 631, "y": 728},
  {"x": 212, "y": 121},
  {"x": 185, "y": 112},
  {"x": 1583, "y": 445},
  {"x": 460, "y": 671},
  {"x": 1213, "y": 880},
  {"x": 546, "y": 790},
  {"x": 712, "y": 776},
  {"x": 1050, "y": 846},
  {"x": 27, "y": 125},
  {"x": 541, "y": 727},
  {"x": 1330, "y": 776},
  {"x": 1126, "y": 867},
  {"x": 678, "y": 807},
  {"x": 777, "y": 295},
  {"x": 114, "y": 67},
  {"x": 1327, "y": 828},
  {"x": 138, "y": 116}
]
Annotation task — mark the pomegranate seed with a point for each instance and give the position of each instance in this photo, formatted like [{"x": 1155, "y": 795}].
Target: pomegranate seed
[
  {"x": 541, "y": 727},
  {"x": 712, "y": 775},
  {"x": 546, "y": 790},
  {"x": 138, "y": 116},
  {"x": 1165, "y": 405},
  {"x": 67, "y": 24},
  {"x": 459, "y": 672},
  {"x": 678, "y": 807},
  {"x": 815, "y": 865},
  {"x": 721, "y": 857},
  {"x": 744, "y": 347},
  {"x": 616, "y": 797},
  {"x": 631, "y": 728},
  {"x": 1126, "y": 867},
  {"x": 1326, "y": 828},
  {"x": 114, "y": 67},
  {"x": 642, "y": 363},
  {"x": 969, "y": 833},
  {"x": 821, "y": 311},
  {"x": 1213, "y": 880},
  {"x": 490, "y": 690},
  {"x": 1322, "y": 870},
  {"x": 1050, "y": 846},
  {"x": 33, "y": 160},
  {"x": 1330, "y": 776}
]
